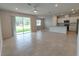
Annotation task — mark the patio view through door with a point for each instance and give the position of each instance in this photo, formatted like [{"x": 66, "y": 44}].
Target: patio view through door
[{"x": 23, "y": 26}]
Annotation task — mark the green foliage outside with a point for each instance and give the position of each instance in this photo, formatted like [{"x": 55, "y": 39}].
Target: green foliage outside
[
  {"x": 22, "y": 24},
  {"x": 26, "y": 28}
]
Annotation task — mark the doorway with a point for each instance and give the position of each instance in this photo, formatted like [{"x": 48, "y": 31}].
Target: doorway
[{"x": 38, "y": 24}]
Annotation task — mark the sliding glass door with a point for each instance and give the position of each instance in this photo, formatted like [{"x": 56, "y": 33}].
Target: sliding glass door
[
  {"x": 22, "y": 25},
  {"x": 27, "y": 24},
  {"x": 19, "y": 25}
]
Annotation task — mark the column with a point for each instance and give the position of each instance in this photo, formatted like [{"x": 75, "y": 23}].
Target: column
[{"x": 33, "y": 23}]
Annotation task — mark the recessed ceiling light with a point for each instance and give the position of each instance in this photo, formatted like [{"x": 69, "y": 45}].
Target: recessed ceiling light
[
  {"x": 56, "y": 5},
  {"x": 35, "y": 11},
  {"x": 72, "y": 9},
  {"x": 16, "y": 8}
]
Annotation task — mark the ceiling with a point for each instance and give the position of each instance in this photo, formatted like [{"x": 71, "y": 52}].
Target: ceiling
[{"x": 42, "y": 8}]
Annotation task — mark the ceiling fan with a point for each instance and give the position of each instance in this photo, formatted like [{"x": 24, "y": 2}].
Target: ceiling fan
[{"x": 34, "y": 7}]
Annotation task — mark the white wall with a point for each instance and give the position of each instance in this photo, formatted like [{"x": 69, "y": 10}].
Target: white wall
[
  {"x": 54, "y": 20},
  {"x": 0, "y": 38},
  {"x": 78, "y": 41},
  {"x": 48, "y": 21}
]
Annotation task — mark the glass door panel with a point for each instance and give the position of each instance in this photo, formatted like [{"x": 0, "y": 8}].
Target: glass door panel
[
  {"x": 19, "y": 25},
  {"x": 23, "y": 25},
  {"x": 27, "y": 27}
]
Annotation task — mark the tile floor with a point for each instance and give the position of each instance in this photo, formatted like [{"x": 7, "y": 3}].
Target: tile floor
[{"x": 41, "y": 44}]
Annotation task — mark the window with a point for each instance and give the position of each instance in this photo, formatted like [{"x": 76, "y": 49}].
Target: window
[{"x": 38, "y": 22}]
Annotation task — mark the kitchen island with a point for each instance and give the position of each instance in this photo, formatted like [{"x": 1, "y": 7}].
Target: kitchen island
[{"x": 58, "y": 29}]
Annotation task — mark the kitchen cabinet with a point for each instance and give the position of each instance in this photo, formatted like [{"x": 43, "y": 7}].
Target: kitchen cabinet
[{"x": 72, "y": 27}]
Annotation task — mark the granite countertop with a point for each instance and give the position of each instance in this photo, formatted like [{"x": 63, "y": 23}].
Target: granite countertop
[{"x": 62, "y": 24}]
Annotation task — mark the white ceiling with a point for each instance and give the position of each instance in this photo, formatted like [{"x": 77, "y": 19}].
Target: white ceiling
[{"x": 43, "y": 8}]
